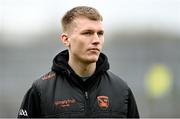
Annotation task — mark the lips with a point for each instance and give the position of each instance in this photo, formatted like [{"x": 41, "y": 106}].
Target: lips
[{"x": 96, "y": 49}]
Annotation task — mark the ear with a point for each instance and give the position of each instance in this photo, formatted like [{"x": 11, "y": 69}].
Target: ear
[{"x": 65, "y": 39}]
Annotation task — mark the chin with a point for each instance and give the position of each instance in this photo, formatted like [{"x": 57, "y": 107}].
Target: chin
[{"x": 93, "y": 60}]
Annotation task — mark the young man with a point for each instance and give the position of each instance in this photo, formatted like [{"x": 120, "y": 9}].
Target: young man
[{"x": 80, "y": 84}]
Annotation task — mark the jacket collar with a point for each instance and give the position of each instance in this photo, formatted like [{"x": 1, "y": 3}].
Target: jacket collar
[{"x": 61, "y": 66}]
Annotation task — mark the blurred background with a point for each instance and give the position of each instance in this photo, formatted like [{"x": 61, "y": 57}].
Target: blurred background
[{"x": 142, "y": 42}]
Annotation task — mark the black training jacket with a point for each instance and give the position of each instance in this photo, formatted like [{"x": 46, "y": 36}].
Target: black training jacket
[{"x": 62, "y": 93}]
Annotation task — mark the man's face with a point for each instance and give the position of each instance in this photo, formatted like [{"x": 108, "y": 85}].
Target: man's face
[{"x": 86, "y": 40}]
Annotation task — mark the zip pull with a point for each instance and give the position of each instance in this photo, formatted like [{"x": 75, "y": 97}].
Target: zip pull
[{"x": 86, "y": 95}]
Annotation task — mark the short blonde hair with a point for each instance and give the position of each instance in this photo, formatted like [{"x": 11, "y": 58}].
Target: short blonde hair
[{"x": 80, "y": 11}]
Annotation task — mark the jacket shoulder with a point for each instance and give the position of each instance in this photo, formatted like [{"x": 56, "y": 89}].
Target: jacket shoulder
[
  {"x": 116, "y": 80},
  {"x": 48, "y": 76},
  {"x": 45, "y": 79}
]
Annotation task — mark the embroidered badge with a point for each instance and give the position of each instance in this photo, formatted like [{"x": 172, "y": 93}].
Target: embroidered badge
[{"x": 103, "y": 102}]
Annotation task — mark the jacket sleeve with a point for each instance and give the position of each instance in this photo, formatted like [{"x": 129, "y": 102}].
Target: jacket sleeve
[
  {"x": 30, "y": 106},
  {"x": 132, "y": 107}
]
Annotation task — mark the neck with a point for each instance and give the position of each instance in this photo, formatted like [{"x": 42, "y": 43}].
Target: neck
[{"x": 82, "y": 69}]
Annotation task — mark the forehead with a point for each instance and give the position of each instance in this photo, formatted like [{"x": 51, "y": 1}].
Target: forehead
[{"x": 83, "y": 23}]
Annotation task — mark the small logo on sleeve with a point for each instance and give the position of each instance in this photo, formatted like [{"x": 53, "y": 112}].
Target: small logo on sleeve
[
  {"x": 48, "y": 76},
  {"x": 23, "y": 112},
  {"x": 103, "y": 102}
]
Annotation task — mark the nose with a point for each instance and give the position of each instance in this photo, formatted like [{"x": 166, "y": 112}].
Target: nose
[{"x": 96, "y": 39}]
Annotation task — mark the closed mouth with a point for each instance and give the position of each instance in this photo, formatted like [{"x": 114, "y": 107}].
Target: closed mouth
[{"x": 94, "y": 49}]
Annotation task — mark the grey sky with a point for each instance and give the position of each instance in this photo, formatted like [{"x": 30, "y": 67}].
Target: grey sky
[{"x": 36, "y": 16}]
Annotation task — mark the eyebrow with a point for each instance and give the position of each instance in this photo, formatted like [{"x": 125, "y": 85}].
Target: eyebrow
[{"x": 90, "y": 30}]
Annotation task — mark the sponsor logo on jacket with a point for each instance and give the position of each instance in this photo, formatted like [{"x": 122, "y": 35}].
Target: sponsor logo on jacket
[
  {"x": 103, "y": 102},
  {"x": 65, "y": 103}
]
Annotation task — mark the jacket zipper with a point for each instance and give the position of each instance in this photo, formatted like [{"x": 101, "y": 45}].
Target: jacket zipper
[{"x": 87, "y": 108}]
